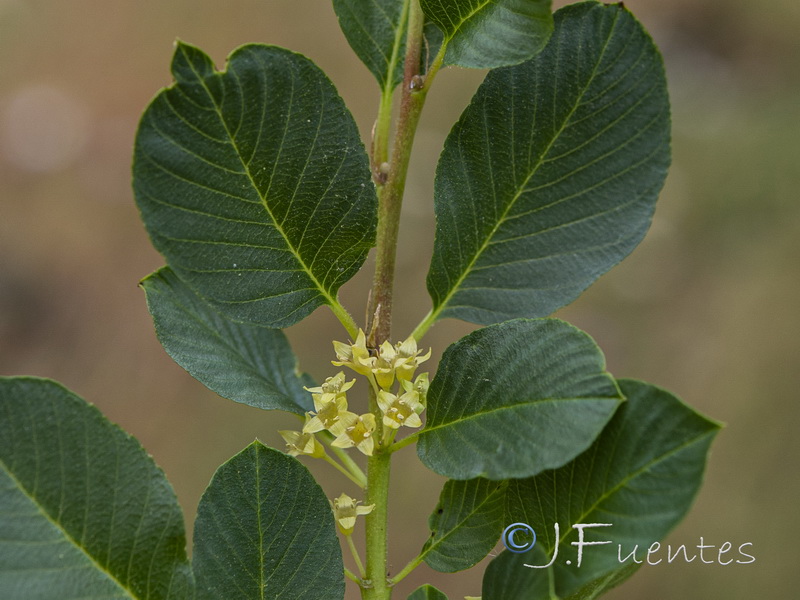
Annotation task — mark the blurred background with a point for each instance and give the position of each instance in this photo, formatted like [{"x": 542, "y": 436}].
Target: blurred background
[{"x": 708, "y": 306}]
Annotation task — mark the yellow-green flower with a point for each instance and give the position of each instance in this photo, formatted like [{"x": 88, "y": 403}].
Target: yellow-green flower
[
  {"x": 354, "y": 356},
  {"x": 333, "y": 385},
  {"x": 407, "y": 358},
  {"x": 346, "y": 509},
  {"x": 355, "y": 430},
  {"x": 383, "y": 365},
  {"x": 420, "y": 385},
  {"x": 329, "y": 408},
  {"x": 299, "y": 442},
  {"x": 400, "y": 410}
]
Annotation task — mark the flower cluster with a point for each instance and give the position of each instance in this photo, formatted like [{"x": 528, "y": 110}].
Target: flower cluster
[
  {"x": 383, "y": 367},
  {"x": 385, "y": 364}
]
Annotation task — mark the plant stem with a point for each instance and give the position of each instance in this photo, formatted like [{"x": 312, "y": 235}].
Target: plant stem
[
  {"x": 351, "y": 465},
  {"x": 345, "y": 318},
  {"x": 380, "y": 138},
  {"x": 376, "y": 527},
  {"x": 356, "y": 557},
  {"x": 424, "y": 325},
  {"x": 410, "y": 439},
  {"x": 344, "y": 471},
  {"x": 390, "y": 198},
  {"x": 376, "y": 585},
  {"x": 346, "y": 459},
  {"x": 352, "y": 576},
  {"x": 413, "y": 564}
]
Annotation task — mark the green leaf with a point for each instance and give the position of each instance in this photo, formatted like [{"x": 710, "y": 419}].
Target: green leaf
[
  {"x": 465, "y": 525},
  {"x": 640, "y": 476},
  {"x": 491, "y": 33},
  {"x": 507, "y": 577},
  {"x": 254, "y": 183},
  {"x": 427, "y": 592},
  {"x": 376, "y": 31},
  {"x": 265, "y": 530},
  {"x": 551, "y": 175},
  {"x": 514, "y": 399},
  {"x": 244, "y": 363},
  {"x": 84, "y": 511}
]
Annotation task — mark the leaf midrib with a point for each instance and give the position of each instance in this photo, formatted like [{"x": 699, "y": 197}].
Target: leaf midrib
[
  {"x": 505, "y": 407},
  {"x": 18, "y": 484},
  {"x": 246, "y": 166},
  {"x": 521, "y": 188},
  {"x": 471, "y": 14},
  {"x": 635, "y": 474},
  {"x": 500, "y": 489}
]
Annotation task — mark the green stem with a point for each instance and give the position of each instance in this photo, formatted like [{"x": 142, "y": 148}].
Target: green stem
[
  {"x": 390, "y": 197},
  {"x": 413, "y": 564},
  {"x": 356, "y": 557},
  {"x": 376, "y": 585},
  {"x": 426, "y": 323},
  {"x": 383, "y": 123},
  {"x": 345, "y": 318},
  {"x": 376, "y": 528},
  {"x": 352, "y": 576},
  {"x": 345, "y": 472},
  {"x": 342, "y": 455},
  {"x": 403, "y": 443}
]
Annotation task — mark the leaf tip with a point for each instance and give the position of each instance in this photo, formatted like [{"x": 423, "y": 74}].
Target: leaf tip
[{"x": 189, "y": 63}]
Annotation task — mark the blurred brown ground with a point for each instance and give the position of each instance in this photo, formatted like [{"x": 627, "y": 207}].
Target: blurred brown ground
[{"x": 706, "y": 307}]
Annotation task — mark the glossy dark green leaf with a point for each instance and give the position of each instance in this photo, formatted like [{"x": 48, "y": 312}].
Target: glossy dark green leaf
[
  {"x": 254, "y": 184},
  {"x": 265, "y": 530},
  {"x": 427, "y": 592},
  {"x": 84, "y": 511},
  {"x": 376, "y": 31},
  {"x": 551, "y": 175},
  {"x": 465, "y": 525},
  {"x": 640, "y": 476},
  {"x": 491, "y": 33},
  {"x": 513, "y": 399},
  {"x": 245, "y": 363}
]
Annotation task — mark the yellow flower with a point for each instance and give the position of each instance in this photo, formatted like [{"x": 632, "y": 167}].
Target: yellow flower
[
  {"x": 333, "y": 385},
  {"x": 299, "y": 442},
  {"x": 420, "y": 385},
  {"x": 407, "y": 358},
  {"x": 400, "y": 410},
  {"x": 329, "y": 408},
  {"x": 354, "y": 356},
  {"x": 383, "y": 366},
  {"x": 355, "y": 430},
  {"x": 346, "y": 509}
]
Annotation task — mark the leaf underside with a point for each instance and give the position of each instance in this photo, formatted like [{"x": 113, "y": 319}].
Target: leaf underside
[
  {"x": 551, "y": 175},
  {"x": 84, "y": 511},
  {"x": 245, "y": 363},
  {"x": 372, "y": 28},
  {"x": 254, "y": 183}
]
